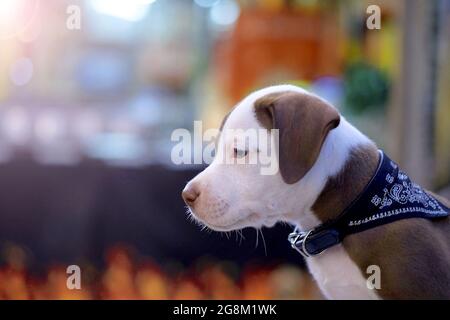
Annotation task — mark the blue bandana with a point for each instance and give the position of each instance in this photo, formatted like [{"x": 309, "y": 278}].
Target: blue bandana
[{"x": 389, "y": 196}]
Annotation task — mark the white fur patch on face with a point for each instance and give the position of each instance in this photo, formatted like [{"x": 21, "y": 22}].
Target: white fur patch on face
[
  {"x": 239, "y": 190},
  {"x": 234, "y": 196}
]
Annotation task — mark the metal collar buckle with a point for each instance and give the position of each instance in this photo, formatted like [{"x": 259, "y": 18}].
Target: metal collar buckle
[{"x": 298, "y": 241}]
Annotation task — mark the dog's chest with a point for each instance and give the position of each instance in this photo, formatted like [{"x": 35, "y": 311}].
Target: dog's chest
[{"x": 338, "y": 276}]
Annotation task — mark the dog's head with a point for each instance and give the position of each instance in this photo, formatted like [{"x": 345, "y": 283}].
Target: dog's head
[{"x": 233, "y": 192}]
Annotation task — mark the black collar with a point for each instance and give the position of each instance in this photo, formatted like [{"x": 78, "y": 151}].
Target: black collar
[{"x": 389, "y": 196}]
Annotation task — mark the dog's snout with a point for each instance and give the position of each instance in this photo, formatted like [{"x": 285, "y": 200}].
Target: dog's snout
[{"x": 190, "y": 194}]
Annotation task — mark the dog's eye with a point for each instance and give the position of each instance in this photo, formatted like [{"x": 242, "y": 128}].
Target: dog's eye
[{"x": 239, "y": 153}]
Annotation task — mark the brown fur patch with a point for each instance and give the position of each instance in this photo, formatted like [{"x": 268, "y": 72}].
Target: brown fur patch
[
  {"x": 303, "y": 122},
  {"x": 343, "y": 188},
  {"x": 262, "y": 112},
  {"x": 413, "y": 256}
]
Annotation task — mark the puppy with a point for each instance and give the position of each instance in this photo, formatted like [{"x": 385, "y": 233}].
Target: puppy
[{"x": 352, "y": 206}]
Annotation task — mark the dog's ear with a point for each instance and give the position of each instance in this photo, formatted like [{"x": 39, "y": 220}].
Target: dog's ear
[{"x": 303, "y": 122}]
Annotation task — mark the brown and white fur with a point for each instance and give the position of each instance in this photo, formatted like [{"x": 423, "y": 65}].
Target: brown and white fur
[{"x": 324, "y": 163}]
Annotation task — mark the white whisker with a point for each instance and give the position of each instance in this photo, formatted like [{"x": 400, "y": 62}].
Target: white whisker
[{"x": 264, "y": 242}]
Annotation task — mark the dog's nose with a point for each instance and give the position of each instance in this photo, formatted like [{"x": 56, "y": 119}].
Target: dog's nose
[{"x": 190, "y": 194}]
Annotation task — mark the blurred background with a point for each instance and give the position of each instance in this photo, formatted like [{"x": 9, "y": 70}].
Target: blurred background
[{"x": 86, "y": 116}]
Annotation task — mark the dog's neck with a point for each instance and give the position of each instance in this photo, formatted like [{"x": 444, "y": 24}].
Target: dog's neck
[
  {"x": 341, "y": 189},
  {"x": 346, "y": 163}
]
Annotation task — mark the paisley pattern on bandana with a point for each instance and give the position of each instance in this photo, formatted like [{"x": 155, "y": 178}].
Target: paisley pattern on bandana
[{"x": 393, "y": 194}]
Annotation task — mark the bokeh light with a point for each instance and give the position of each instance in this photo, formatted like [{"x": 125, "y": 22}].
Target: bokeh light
[
  {"x": 21, "y": 71},
  {"x": 206, "y": 3},
  {"x": 130, "y": 10},
  {"x": 49, "y": 127},
  {"x": 225, "y": 12},
  {"x": 16, "y": 16},
  {"x": 16, "y": 125}
]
